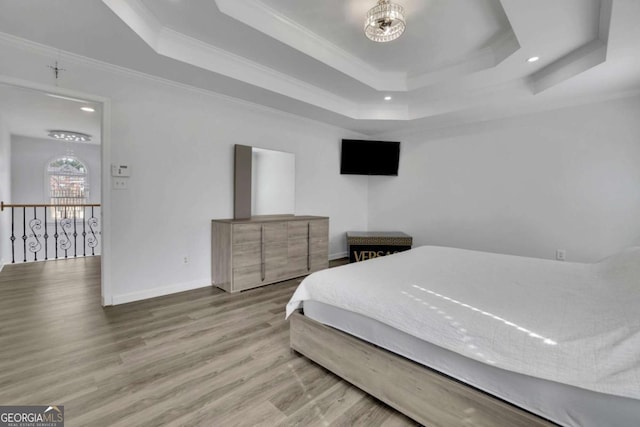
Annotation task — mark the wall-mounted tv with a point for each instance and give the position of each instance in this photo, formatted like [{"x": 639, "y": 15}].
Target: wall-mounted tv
[{"x": 360, "y": 157}]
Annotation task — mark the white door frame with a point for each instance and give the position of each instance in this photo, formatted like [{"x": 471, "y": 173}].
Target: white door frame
[{"x": 105, "y": 175}]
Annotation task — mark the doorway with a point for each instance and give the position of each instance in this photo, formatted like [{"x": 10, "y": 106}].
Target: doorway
[{"x": 53, "y": 180}]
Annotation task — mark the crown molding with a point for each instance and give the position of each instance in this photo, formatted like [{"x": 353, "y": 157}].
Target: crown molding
[
  {"x": 268, "y": 21},
  {"x": 48, "y": 51},
  {"x": 479, "y": 117},
  {"x": 473, "y": 98},
  {"x": 138, "y": 18},
  {"x": 500, "y": 48},
  {"x": 259, "y": 16},
  {"x": 192, "y": 51},
  {"x": 175, "y": 45},
  {"x": 579, "y": 60},
  {"x": 479, "y": 61},
  {"x": 178, "y": 46},
  {"x": 186, "y": 49},
  {"x": 262, "y": 18}
]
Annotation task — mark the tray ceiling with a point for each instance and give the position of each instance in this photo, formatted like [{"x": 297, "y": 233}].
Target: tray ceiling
[{"x": 458, "y": 61}]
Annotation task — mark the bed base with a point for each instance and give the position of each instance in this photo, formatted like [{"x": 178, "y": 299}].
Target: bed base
[{"x": 422, "y": 394}]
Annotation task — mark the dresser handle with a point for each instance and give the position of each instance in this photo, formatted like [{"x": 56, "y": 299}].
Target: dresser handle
[
  {"x": 262, "y": 255},
  {"x": 308, "y": 246}
]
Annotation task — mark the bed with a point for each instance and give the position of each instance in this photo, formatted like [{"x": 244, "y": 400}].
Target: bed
[{"x": 457, "y": 337}]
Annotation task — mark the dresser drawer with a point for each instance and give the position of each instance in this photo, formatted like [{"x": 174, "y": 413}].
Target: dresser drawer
[
  {"x": 246, "y": 233},
  {"x": 297, "y": 266},
  {"x": 298, "y": 247},
  {"x": 247, "y": 277},
  {"x": 275, "y": 253},
  {"x": 298, "y": 229},
  {"x": 319, "y": 228},
  {"x": 275, "y": 232},
  {"x": 247, "y": 254}
]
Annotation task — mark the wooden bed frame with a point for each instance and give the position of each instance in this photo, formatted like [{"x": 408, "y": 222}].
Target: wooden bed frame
[{"x": 422, "y": 394}]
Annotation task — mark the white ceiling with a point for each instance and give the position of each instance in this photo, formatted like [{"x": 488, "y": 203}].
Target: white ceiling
[
  {"x": 458, "y": 61},
  {"x": 33, "y": 113}
]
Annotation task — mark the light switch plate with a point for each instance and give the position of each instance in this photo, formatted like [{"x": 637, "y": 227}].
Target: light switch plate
[
  {"x": 120, "y": 183},
  {"x": 120, "y": 170}
]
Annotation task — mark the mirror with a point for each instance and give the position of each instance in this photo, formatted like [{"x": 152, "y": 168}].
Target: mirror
[
  {"x": 273, "y": 175},
  {"x": 264, "y": 182}
]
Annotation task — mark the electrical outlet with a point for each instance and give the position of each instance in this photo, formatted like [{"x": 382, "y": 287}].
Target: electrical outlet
[
  {"x": 186, "y": 260},
  {"x": 120, "y": 183},
  {"x": 561, "y": 254}
]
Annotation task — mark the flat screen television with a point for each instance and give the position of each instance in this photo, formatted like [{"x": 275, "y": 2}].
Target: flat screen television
[{"x": 361, "y": 157}]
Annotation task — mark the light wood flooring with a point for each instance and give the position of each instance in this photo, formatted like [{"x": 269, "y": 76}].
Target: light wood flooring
[{"x": 198, "y": 358}]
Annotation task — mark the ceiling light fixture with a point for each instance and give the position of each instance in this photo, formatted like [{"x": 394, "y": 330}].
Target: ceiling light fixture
[
  {"x": 385, "y": 22},
  {"x": 533, "y": 59},
  {"x": 387, "y": 98},
  {"x": 67, "y": 98},
  {"x": 70, "y": 136},
  {"x": 88, "y": 109}
]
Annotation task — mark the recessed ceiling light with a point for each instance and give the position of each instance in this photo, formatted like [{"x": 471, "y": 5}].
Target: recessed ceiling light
[
  {"x": 533, "y": 59},
  {"x": 387, "y": 98},
  {"x": 88, "y": 109},
  {"x": 68, "y": 98}
]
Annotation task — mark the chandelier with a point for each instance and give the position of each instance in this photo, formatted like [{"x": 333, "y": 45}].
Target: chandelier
[
  {"x": 71, "y": 136},
  {"x": 385, "y": 22}
]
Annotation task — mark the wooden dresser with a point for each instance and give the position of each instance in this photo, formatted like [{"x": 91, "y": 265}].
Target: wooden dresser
[{"x": 247, "y": 253}]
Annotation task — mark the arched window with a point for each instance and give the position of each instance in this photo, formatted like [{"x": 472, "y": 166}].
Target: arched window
[{"x": 68, "y": 181}]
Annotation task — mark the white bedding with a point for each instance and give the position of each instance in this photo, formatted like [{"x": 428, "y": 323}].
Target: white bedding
[{"x": 573, "y": 323}]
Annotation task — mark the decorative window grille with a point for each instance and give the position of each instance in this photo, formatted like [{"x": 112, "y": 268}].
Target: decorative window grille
[{"x": 68, "y": 185}]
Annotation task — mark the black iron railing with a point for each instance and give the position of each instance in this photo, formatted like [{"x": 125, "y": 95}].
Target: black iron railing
[{"x": 53, "y": 231}]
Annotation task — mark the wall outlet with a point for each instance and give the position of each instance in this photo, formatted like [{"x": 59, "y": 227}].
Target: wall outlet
[
  {"x": 186, "y": 260},
  {"x": 120, "y": 183},
  {"x": 561, "y": 254}
]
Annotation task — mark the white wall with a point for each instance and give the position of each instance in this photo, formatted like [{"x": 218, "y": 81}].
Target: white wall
[
  {"x": 180, "y": 148},
  {"x": 566, "y": 179},
  {"x": 29, "y": 159},
  {"x": 179, "y": 144},
  {"x": 5, "y": 191}
]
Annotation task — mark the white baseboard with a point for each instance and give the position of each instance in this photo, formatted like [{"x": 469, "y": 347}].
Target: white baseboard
[
  {"x": 1, "y": 264},
  {"x": 159, "y": 292},
  {"x": 180, "y": 287},
  {"x": 338, "y": 255}
]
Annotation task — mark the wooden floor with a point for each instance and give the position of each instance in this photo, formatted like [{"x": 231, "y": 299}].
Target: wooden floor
[{"x": 202, "y": 357}]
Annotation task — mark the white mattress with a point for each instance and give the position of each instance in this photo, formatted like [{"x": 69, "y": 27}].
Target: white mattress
[
  {"x": 577, "y": 324},
  {"x": 563, "y": 404}
]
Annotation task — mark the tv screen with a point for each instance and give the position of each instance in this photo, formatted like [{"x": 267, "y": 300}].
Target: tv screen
[{"x": 361, "y": 157}]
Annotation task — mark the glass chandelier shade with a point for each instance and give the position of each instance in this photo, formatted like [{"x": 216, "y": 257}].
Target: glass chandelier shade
[
  {"x": 385, "y": 22},
  {"x": 70, "y": 136}
]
